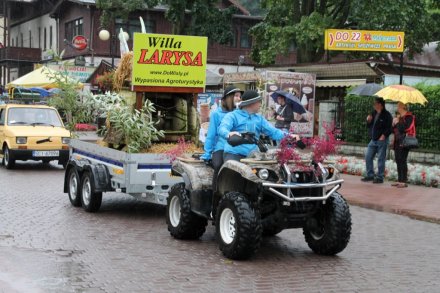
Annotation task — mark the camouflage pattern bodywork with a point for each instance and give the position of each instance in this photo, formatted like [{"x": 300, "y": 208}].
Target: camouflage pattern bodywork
[{"x": 199, "y": 174}]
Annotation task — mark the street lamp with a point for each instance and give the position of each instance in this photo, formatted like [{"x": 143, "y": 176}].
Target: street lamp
[{"x": 105, "y": 35}]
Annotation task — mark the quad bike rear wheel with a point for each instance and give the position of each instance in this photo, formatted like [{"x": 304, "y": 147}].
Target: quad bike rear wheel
[
  {"x": 238, "y": 226},
  {"x": 182, "y": 222},
  {"x": 328, "y": 232}
]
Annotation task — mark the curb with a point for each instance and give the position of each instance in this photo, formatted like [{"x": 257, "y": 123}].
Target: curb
[{"x": 403, "y": 212}]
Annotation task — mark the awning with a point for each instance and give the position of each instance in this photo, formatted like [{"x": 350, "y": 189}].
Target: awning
[
  {"x": 340, "y": 82},
  {"x": 213, "y": 78}
]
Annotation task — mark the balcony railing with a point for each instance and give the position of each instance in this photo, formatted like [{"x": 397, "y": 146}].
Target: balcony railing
[{"x": 20, "y": 54}]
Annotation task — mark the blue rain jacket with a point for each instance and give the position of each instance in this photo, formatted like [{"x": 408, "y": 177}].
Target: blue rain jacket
[
  {"x": 241, "y": 121},
  {"x": 213, "y": 141}
]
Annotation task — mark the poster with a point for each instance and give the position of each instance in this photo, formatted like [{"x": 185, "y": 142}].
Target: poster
[
  {"x": 301, "y": 85},
  {"x": 79, "y": 73},
  {"x": 206, "y": 102},
  {"x": 169, "y": 60}
]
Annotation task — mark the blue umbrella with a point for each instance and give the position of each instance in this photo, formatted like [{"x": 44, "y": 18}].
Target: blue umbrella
[{"x": 291, "y": 100}]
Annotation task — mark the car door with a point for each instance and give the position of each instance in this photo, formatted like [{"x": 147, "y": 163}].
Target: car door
[{"x": 2, "y": 125}]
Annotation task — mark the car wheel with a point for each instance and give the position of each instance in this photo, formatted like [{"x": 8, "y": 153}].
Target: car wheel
[
  {"x": 74, "y": 190},
  {"x": 90, "y": 199},
  {"x": 8, "y": 158}
]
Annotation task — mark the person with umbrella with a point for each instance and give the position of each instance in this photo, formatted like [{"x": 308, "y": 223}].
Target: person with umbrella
[
  {"x": 379, "y": 129},
  {"x": 403, "y": 125},
  {"x": 289, "y": 104}
]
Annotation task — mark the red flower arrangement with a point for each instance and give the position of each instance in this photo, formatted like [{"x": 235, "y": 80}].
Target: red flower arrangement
[
  {"x": 322, "y": 147},
  {"x": 181, "y": 147}
]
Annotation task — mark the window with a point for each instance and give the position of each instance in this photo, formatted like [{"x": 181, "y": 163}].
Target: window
[
  {"x": 39, "y": 37},
  {"x": 30, "y": 39},
  {"x": 50, "y": 37},
  {"x": 16, "y": 41},
  {"x": 73, "y": 28},
  {"x": 233, "y": 42},
  {"x": 45, "y": 39},
  {"x": 13, "y": 43},
  {"x": 134, "y": 26},
  {"x": 21, "y": 40},
  {"x": 245, "y": 38}
]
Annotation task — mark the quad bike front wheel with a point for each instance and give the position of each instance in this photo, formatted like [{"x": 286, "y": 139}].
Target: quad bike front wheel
[
  {"x": 238, "y": 226},
  {"x": 182, "y": 222},
  {"x": 328, "y": 232}
]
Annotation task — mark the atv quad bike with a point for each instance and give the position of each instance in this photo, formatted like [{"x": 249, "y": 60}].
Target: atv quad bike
[{"x": 259, "y": 197}]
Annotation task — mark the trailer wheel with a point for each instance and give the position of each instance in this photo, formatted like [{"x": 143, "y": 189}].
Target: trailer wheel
[
  {"x": 182, "y": 222},
  {"x": 238, "y": 226},
  {"x": 90, "y": 199},
  {"x": 8, "y": 158},
  {"x": 73, "y": 187}
]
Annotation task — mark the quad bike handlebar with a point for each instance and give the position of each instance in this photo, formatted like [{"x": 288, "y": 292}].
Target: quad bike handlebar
[{"x": 249, "y": 138}]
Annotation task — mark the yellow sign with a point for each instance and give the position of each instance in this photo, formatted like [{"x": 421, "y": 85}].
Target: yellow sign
[
  {"x": 357, "y": 40},
  {"x": 169, "y": 60}
]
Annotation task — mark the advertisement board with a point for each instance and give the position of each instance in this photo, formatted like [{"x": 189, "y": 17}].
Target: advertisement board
[
  {"x": 169, "y": 60},
  {"x": 301, "y": 85},
  {"x": 79, "y": 73},
  {"x": 361, "y": 40}
]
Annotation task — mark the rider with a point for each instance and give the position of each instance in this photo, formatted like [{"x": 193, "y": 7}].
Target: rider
[
  {"x": 246, "y": 119},
  {"x": 214, "y": 143}
]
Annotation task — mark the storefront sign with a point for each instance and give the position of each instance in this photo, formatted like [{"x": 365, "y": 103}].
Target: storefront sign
[
  {"x": 358, "y": 40},
  {"x": 79, "y": 73},
  {"x": 79, "y": 43},
  {"x": 169, "y": 60}
]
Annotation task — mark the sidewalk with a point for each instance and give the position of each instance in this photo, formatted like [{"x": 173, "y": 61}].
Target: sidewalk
[{"x": 417, "y": 202}]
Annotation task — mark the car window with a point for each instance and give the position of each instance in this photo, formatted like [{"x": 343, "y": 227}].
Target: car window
[
  {"x": 2, "y": 116},
  {"x": 33, "y": 116}
]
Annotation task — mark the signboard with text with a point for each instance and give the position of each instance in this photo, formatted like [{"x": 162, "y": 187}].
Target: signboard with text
[
  {"x": 360, "y": 40},
  {"x": 79, "y": 73},
  {"x": 169, "y": 60}
]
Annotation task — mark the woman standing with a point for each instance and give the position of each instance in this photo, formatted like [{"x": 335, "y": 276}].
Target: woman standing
[
  {"x": 284, "y": 114},
  {"x": 403, "y": 124}
]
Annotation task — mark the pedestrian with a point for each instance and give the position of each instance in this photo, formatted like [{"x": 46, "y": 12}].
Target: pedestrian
[
  {"x": 214, "y": 143},
  {"x": 379, "y": 124},
  {"x": 247, "y": 119},
  {"x": 403, "y": 124},
  {"x": 284, "y": 114}
]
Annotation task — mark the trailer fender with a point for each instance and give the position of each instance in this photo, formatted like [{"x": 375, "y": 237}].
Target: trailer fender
[{"x": 101, "y": 177}]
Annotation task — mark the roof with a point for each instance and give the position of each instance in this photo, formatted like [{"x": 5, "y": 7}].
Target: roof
[
  {"x": 332, "y": 70},
  {"x": 12, "y": 105}
]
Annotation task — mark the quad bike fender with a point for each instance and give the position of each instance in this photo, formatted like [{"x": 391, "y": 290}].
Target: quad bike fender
[
  {"x": 197, "y": 176},
  {"x": 236, "y": 176}
]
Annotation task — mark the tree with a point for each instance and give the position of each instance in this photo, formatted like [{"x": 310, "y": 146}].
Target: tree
[
  {"x": 192, "y": 17},
  {"x": 301, "y": 23}
]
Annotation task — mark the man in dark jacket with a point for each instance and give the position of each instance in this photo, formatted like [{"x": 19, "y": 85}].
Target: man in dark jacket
[{"x": 379, "y": 124}]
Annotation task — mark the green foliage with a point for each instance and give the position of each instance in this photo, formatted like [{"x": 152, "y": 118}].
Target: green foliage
[
  {"x": 67, "y": 101},
  {"x": 356, "y": 109},
  {"x": 302, "y": 23},
  {"x": 138, "y": 127},
  {"x": 188, "y": 17}
]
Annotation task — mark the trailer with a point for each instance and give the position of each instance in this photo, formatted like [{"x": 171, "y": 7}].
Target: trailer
[{"x": 93, "y": 170}]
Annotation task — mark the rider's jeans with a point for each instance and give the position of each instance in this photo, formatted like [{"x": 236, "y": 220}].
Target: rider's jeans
[{"x": 378, "y": 147}]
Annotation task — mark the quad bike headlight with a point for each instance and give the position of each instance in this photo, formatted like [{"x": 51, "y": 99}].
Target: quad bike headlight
[
  {"x": 263, "y": 174},
  {"x": 21, "y": 140}
]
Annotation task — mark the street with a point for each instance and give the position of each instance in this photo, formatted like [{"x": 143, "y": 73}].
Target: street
[{"x": 46, "y": 245}]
